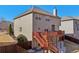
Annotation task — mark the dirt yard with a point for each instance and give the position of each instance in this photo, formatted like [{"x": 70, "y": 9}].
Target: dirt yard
[{"x": 6, "y": 39}]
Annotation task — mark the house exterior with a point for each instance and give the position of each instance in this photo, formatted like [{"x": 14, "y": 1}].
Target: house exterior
[
  {"x": 35, "y": 20},
  {"x": 71, "y": 26}
]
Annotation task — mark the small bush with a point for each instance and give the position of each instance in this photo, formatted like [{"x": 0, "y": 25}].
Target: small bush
[{"x": 10, "y": 30}]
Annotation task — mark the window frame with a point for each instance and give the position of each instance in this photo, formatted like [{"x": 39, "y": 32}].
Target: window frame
[{"x": 20, "y": 29}]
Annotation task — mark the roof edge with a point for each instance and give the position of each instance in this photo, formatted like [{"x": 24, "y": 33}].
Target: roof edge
[
  {"x": 69, "y": 20},
  {"x": 37, "y": 13}
]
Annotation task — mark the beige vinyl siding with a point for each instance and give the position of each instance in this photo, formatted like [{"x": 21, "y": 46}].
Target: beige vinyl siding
[
  {"x": 67, "y": 26},
  {"x": 26, "y": 23}
]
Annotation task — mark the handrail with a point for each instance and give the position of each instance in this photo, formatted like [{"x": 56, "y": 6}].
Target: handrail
[{"x": 44, "y": 39}]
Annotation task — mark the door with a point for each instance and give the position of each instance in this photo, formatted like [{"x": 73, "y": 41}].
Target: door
[{"x": 53, "y": 28}]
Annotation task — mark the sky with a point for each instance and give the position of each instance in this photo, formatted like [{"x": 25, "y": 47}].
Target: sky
[{"x": 9, "y": 12}]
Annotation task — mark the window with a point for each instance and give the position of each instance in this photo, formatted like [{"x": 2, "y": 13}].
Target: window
[
  {"x": 45, "y": 30},
  {"x": 0, "y": 28},
  {"x": 20, "y": 29},
  {"x": 38, "y": 18},
  {"x": 78, "y": 27},
  {"x": 38, "y": 28},
  {"x": 47, "y": 20}
]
